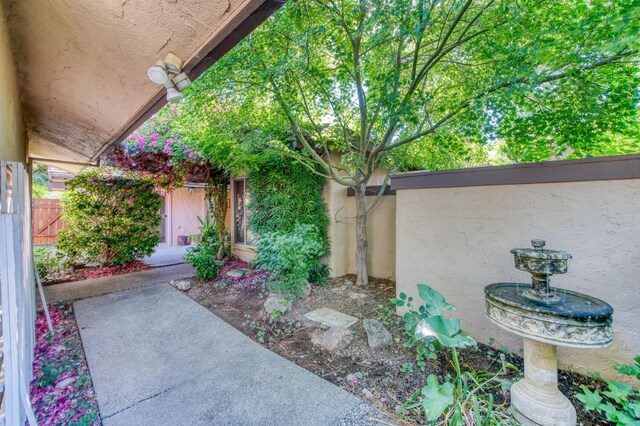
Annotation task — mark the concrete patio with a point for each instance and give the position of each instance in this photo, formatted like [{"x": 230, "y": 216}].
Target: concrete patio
[{"x": 159, "y": 358}]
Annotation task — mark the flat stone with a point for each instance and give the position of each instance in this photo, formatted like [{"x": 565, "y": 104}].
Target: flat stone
[
  {"x": 182, "y": 285},
  {"x": 331, "y": 318},
  {"x": 238, "y": 273},
  {"x": 377, "y": 336},
  {"x": 275, "y": 303},
  {"x": 357, "y": 296},
  {"x": 333, "y": 339}
]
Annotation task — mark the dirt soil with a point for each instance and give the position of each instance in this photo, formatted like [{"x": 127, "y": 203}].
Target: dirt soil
[
  {"x": 87, "y": 272},
  {"x": 387, "y": 377}
]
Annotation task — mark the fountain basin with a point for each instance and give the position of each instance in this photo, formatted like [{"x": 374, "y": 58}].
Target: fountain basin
[{"x": 574, "y": 319}]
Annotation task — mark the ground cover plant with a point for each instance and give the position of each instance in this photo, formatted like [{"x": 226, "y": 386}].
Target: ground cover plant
[
  {"x": 389, "y": 378},
  {"x": 61, "y": 389},
  {"x": 464, "y": 397},
  {"x": 620, "y": 402},
  {"x": 112, "y": 218}
]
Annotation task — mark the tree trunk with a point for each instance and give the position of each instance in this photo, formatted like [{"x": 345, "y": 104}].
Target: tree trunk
[
  {"x": 361, "y": 235},
  {"x": 216, "y": 193}
]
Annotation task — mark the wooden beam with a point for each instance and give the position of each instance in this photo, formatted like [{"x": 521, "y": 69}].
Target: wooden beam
[{"x": 589, "y": 169}]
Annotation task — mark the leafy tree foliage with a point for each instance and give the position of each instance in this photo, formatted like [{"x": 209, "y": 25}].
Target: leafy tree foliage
[
  {"x": 111, "y": 218},
  {"x": 368, "y": 78}
]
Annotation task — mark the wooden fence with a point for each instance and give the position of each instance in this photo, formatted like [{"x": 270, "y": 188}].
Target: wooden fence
[{"x": 46, "y": 220}]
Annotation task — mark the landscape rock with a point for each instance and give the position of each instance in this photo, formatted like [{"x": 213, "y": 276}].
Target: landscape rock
[
  {"x": 367, "y": 393},
  {"x": 238, "y": 273},
  {"x": 275, "y": 303},
  {"x": 355, "y": 377},
  {"x": 182, "y": 285},
  {"x": 333, "y": 339},
  {"x": 377, "y": 336},
  {"x": 331, "y": 318},
  {"x": 307, "y": 290},
  {"x": 357, "y": 296}
]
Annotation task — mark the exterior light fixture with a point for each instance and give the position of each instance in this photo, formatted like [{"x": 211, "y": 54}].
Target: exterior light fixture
[
  {"x": 168, "y": 72},
  {"x": 173, "y": 94}
]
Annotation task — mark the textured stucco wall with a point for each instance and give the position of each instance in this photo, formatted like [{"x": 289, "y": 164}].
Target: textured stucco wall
[
  {"x": 458, "y": 239},
  {"x": 83, "y": 63},
  {"x": 12, "y": 140},
  {"x": 184, "y": 208},
  {"x": 381, "y": 232},
  {"x": 342, "y": 231}
]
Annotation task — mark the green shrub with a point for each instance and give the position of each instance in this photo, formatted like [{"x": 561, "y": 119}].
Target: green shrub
[
  {"x": 285, "y": 197},
  {"x": 620, "y": 403},
  {"x": 111, "y": 218},
  {"x": 202, "y": 257},
  {"x": 292, "y": 257},
  {"x": 425, "y": 348},
  {"x": 466, "y": 397},
  {"x": 47, "y": 261}
]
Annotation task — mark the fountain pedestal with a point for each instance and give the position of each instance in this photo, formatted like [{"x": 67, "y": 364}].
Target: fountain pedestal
[
  {"x": 536, "y": 399},
  {"x": 546, "y": 317}
]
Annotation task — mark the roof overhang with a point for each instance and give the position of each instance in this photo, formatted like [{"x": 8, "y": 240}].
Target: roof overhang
[{"x": 82, "y": 63}]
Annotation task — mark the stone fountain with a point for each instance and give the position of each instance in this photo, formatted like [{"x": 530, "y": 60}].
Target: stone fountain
[{"x": 546, "y": 317}]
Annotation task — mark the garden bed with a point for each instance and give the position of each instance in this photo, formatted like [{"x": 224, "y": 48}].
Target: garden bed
[
  {"x": 387, "y": 377},
  {"x": 61, "y": 389},
  {"x": 88, "y": 272}
]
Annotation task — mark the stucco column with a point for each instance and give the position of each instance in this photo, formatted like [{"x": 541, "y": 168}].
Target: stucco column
[
  {"x": 12, "y": 138},
  {"x": 536, "y": 398}
]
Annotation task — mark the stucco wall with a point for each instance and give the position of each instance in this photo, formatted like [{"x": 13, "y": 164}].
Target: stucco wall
[
  {"x": 458, "y": 239},
  {"x": 184, "y": 207},
  {"x": 342, "y": 232},
  {"x": 381, "y": 232},
  {"x": 12, "y": 140}
]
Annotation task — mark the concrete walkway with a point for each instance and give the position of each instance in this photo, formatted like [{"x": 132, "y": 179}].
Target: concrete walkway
[
  {"x": 158, "y": 358},
  {"x": 166, "y": 256},
  {"x": 105, "y": 285}
]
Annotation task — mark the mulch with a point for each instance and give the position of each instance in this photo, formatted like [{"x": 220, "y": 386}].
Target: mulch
[
  {"x": 381, "y": 376},
  {"x": 87, "y": 272},
  {"x": 61, "y": 390}
]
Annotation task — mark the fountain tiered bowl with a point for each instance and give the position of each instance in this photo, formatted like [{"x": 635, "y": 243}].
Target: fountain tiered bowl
[{"x": 546, "y": 317}]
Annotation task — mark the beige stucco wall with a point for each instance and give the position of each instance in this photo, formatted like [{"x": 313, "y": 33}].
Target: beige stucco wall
[
  {"x": 342, "y": 232},
  {"x": 184, "y": 206},
  {"x": 458, "y": 239},
  {"x": 12, "y": 140}
]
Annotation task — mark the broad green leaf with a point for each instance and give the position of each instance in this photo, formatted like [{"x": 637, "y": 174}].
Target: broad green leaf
[
  {"x": 434, "y": 302},
  {"x": 617, "y": 391},
  {"x": 630, "y": 369},
  {"x": 437, "y": 398},
  {"x": 591, "y": 400},
  {"x": 445, "y": 330}
]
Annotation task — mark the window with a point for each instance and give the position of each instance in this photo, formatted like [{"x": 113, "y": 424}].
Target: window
[{"x": 241, "y": 213}]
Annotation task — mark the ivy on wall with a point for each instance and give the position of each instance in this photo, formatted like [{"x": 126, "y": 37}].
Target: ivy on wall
[{"x": 283, "y": 196}]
